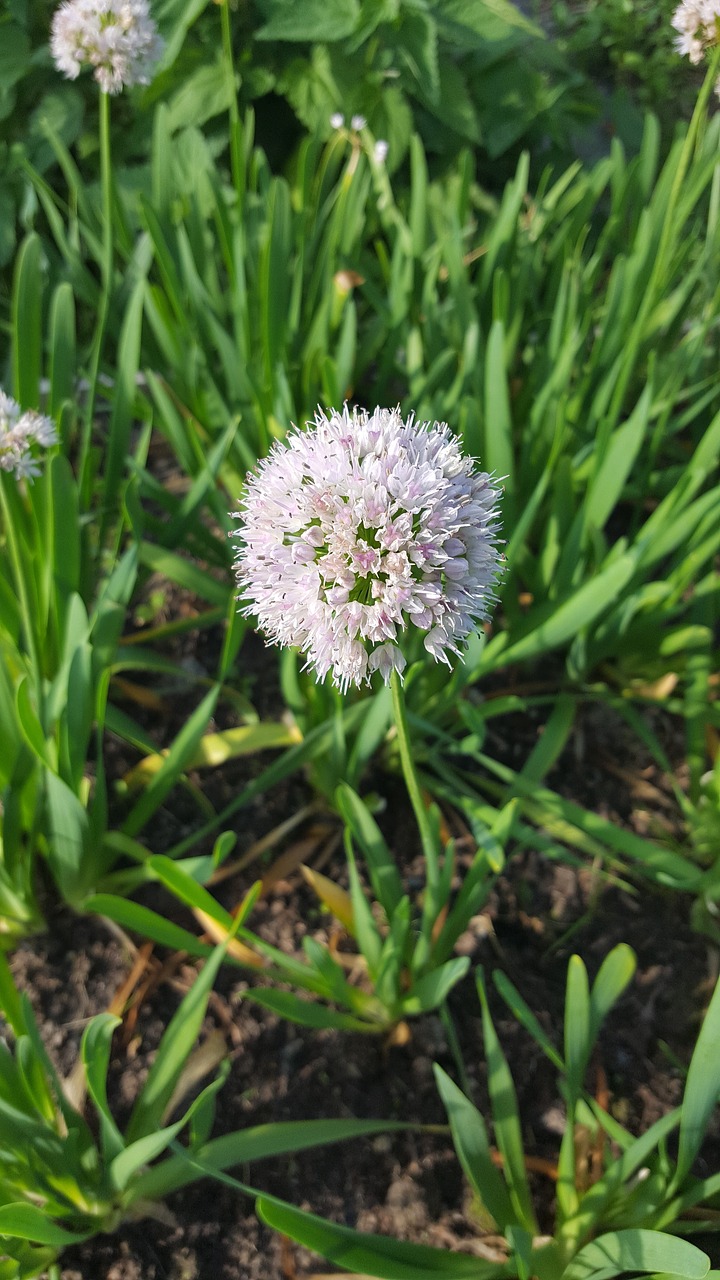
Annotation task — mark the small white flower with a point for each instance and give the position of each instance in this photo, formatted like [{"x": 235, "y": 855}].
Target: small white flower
[
  {"x": 358, "y": 123},
  {"x": 337, "y": 120},
  {"x": 380, "y": 151},
  {"x": 361, "y": 528},
  {"x": 698, "y": 22},
  {"x": 18, "y": 433},
  {"x": 117, "y": 38}
]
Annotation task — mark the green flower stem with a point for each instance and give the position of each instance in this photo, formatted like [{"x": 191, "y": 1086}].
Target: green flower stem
[
  {"x": 428, "y": 844},
  {"x": 106, "y": 277},
  {"x": 236, "y": 161},
  {"x": 410, "y": 775}
]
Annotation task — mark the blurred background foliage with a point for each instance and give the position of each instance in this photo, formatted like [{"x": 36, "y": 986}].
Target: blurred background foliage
[{"x": 478, "y": 73}]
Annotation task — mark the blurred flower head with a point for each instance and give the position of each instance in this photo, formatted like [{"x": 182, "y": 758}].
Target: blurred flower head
[
  {"x": 337, "y": 120},
  {"x": 19, "y": 434},
  {"x": 117, "y": 38},
  {"x": 698, "y": 22},
  {"x": 360, "y": 529},
  {"x": 358, "y": 123},
  {"x": 380, "y": 151}
]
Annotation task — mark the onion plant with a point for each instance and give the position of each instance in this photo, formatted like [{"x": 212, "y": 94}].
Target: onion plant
[
  {"x": 68, "y": 1171},
  {"x": 629, "y": 1218}
]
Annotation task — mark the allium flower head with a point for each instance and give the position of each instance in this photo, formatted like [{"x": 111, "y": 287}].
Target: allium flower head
[
  {"x": 360, "y": 529},
  {"x": 698, "y": 22},
  {"x": 118, "y": 38},
  {"x": 19, "y": 432}
]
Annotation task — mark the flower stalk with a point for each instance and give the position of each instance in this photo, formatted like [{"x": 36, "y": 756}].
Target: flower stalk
[
  {"x": 412, "y": 781},
  {"x": 106, "y": 280}
]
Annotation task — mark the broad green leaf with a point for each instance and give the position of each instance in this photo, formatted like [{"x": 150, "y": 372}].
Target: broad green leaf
[
  {"x": 364, "y": 925},
  {"x": 384, "y": 875},
  {"x": 308, "y": 1013},
  {"x": 498, "y": 456},
  {"x": 372, "y": 1255},
  {"x": 620, "y": 1251},
  {"x": 506, "y": 1120},
  {"x": 486, "y": 19},
  {"x": 178, "y": 1039},
  {"x": 62, "y": 350},
  {"x": 616, "y": 972},
  {"x": 181, "y": 570},
  {"x": 214, "y": 749},
  {"x": 141, "y": 1152},
  {"x": 201, "y": 96},
  {"x": 259, "y": 1142},
  {"x": 274, "y": 279},
  {"x": 10, "y": 999},
  {"x": 473, "y": 1149},
  {"x": 578, "y": 1033},
  {"x": 67, "y": 529},
  {"x": 122, "y": 416},
  {"x": 68, "y": 839},
  {"x": 613, "y": 1181},
  {"x": 702, "y": 1089},
  {"x": 95, "y": 1056},
  {"x": 147, "y": 923},
  {"x": 27, "y": 320},
  {"x": 570, "y": 615},
  {"x": 312, "y": 20},
  {"x": 29, "y": 1223},
  {"x": 29, "y": 722},
  {"x": 431, "y": 989},
  {"x": 607, "y": 486}
]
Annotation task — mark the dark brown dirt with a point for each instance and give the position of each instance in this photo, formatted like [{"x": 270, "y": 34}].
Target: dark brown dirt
[{"x": 409, "y": 1185}]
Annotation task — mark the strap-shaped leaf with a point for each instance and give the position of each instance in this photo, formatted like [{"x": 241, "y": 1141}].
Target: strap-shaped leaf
[
  {"x": 636, "y": 1250},
  {"x": 702, "y": 1089},
  {"x": 473, "y": 1148},
  {"x": 372, "y": 1255},
  {"x": 506, "y": 1119}
]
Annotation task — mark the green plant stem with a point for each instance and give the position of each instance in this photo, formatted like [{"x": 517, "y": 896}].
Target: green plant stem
[
  {"x": 236, "y": 160},
  {"x": 106, "y": 275},
  {"x": 410, "y": 773}
]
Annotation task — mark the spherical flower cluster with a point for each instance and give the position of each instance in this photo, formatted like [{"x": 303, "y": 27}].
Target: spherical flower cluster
[
  {"x": 18, "y": 433},
  {"x": 118, "y": 38},
  {"x": 698, "y": 22},
  {"x": 359, "y": 529}
]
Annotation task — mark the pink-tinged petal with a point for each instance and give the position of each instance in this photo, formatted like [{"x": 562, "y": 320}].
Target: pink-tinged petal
[{"x": 358, "y": 528}]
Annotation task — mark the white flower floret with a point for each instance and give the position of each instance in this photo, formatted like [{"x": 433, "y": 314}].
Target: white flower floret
[
  {"x": 364, "y": 527},
  {"x": 358, "y": 123},
  {"x": 117, "y": 38},
  {"x": 337, "y": 120},
  {"x": 380, "y": 151},
  {"x": 698, "y": 24},
  {"x": 19, "y": 432}
]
